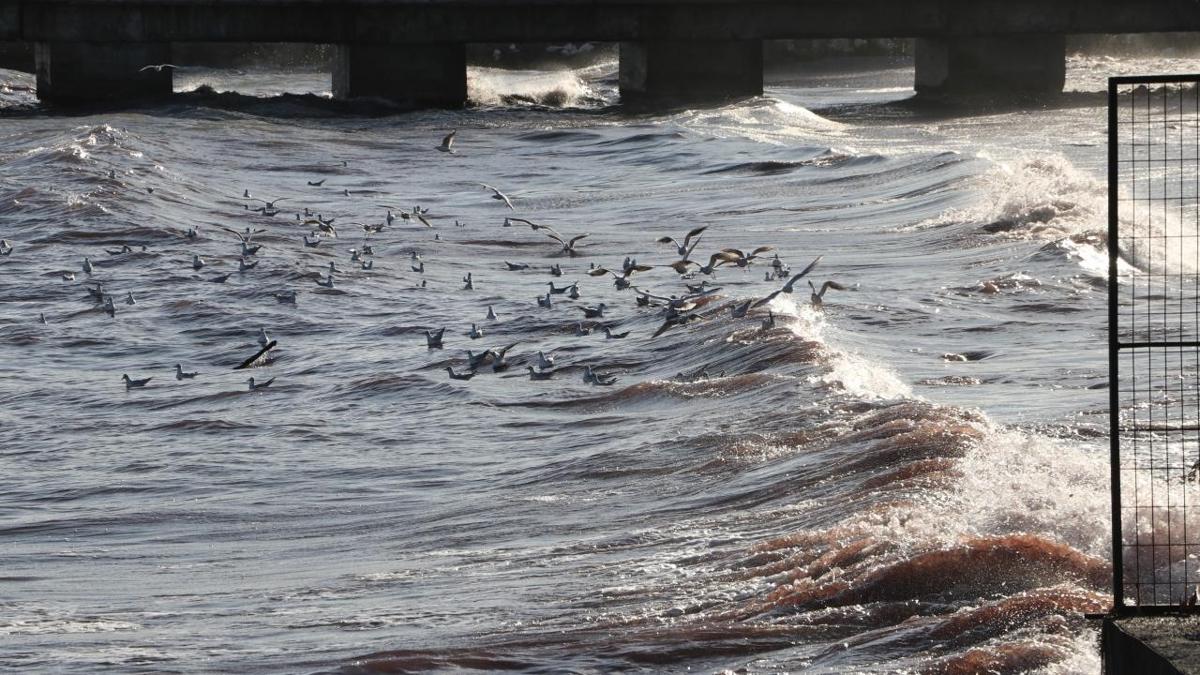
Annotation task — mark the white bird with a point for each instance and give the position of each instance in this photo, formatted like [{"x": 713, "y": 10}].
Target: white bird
[
  {"x": 68, "y": 276},
  {"x": 327, "y": 282},
  {"x": 475, "y": 333},
  {"x": 157, "y": 67},
  {"x": 263, "y": 338},
  {"x": 545, "y": 362},
  {"x": 498, "y": 195}
]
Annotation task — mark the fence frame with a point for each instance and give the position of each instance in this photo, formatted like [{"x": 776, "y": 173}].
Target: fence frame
[{"x": 1115, "y": 346}]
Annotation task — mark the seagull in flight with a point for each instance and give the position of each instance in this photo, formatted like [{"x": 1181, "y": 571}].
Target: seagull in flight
[
  {"x": 157, "y": 67},
  {"x": 498, "y": 195},
  {"x": 817, "y": 295},
  {"x": 788, "y": 287},
  {"x": 685, "y": 249}
]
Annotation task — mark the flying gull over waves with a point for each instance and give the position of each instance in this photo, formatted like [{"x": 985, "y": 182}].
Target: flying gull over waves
[
  {"x": 498, "y": 195},
  {"x": 789, "y": 286},
  {"x": 621, "y": 281},
  {"x": 685, "y": 249},
  {"x": 261, "y": 358},
  {"x": 157, "y": 67},
  {"x": 817, "y": 296}
]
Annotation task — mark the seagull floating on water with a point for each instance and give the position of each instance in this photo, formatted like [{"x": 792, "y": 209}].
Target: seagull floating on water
[
  {"x": 180, "y": 375},
  {"x": 475, "y": 333},
  {"x": 448, "y": 142},
  {"x": 460, "y": 376},
  {"x": 87, "y": 265},
  {"x": 197, "y": 261},
  {"x": 542, "y": 375},
  {"x": 491, "y": 314},
  {"x": 254, "y": 386},
  {"x": 433, "y": 339},
  {"x": 134, "y": 384}
]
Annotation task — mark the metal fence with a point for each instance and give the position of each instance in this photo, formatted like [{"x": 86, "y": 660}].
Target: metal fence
[{"x": 1154, "y": 340}]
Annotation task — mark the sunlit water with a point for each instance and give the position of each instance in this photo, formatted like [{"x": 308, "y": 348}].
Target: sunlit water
[{"x": 913, "y": 479}]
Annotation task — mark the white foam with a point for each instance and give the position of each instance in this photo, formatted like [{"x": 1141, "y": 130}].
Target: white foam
[{"x": 558, "y": 88}]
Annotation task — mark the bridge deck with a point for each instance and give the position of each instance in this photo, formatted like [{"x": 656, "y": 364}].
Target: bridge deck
[{"x": 430, "y": 21}]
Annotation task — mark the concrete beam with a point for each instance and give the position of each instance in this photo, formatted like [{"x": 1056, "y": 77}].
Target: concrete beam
[
  {"x": 439, "y": 21},
  {"x": 87, "y": 72},
  {"x": 991, "y": 65},
  {"x": 424, "y": 76},
  {"x": 686, "y": 72}
]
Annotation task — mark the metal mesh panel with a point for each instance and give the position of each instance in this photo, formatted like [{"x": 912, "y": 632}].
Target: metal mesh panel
[{"x": 1154, "y": 339}]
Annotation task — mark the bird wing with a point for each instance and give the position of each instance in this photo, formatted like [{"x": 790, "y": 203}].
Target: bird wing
[
  {"x": 834, "y": 285},
  {"x": 761, "y": 249},
  {"x": 422, "y": 219},
  {"x": 770, "y": 297},
  {"x": 649, "y": 294},
  {"x": 232, "y": 231},
  {"x": 554, "y": 235},
  {"x": 680, "y": 266},
  {"x": 598, "y": 272},
  {"x": 666, "y": 240},
  {"x": 571, "y": 243},
  {"x": 787, "y": 288},
  {"x": 258, "y": 358},
  {"x": 499, "y": 355},
  {"x": 692, "y": 233},
  {"x": 449, "y": 139}
]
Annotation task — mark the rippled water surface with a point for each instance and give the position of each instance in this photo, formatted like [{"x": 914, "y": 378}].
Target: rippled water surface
[{"x": 913, "y": 478}]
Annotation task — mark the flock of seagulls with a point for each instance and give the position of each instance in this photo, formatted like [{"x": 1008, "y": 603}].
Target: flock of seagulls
[{"x": 696, "y": 304}]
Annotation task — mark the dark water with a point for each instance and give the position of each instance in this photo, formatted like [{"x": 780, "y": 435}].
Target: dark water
[{"x": 913, "y": 479}]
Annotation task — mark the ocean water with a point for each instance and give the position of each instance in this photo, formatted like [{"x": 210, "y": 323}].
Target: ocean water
[{"x": 911, "y": 478}]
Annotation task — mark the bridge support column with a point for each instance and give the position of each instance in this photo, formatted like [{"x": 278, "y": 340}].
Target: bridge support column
[
  {"x": 421, "y": 75},
  {"x": 991, "y": 65},
  {"x": 84, "y": 72},
  {"x": 690, "y": 71}
]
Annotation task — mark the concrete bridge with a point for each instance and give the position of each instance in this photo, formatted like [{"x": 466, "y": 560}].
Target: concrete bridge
[{"x": 414, "y": 50}]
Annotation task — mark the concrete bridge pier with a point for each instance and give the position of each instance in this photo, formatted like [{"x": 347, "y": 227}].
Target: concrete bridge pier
[
  {"x": 690, "y": 71},
  {"x": 422, "y": 75},
  {"x": 85, "y": 72},
  {"x": 986, "y": 64}
]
